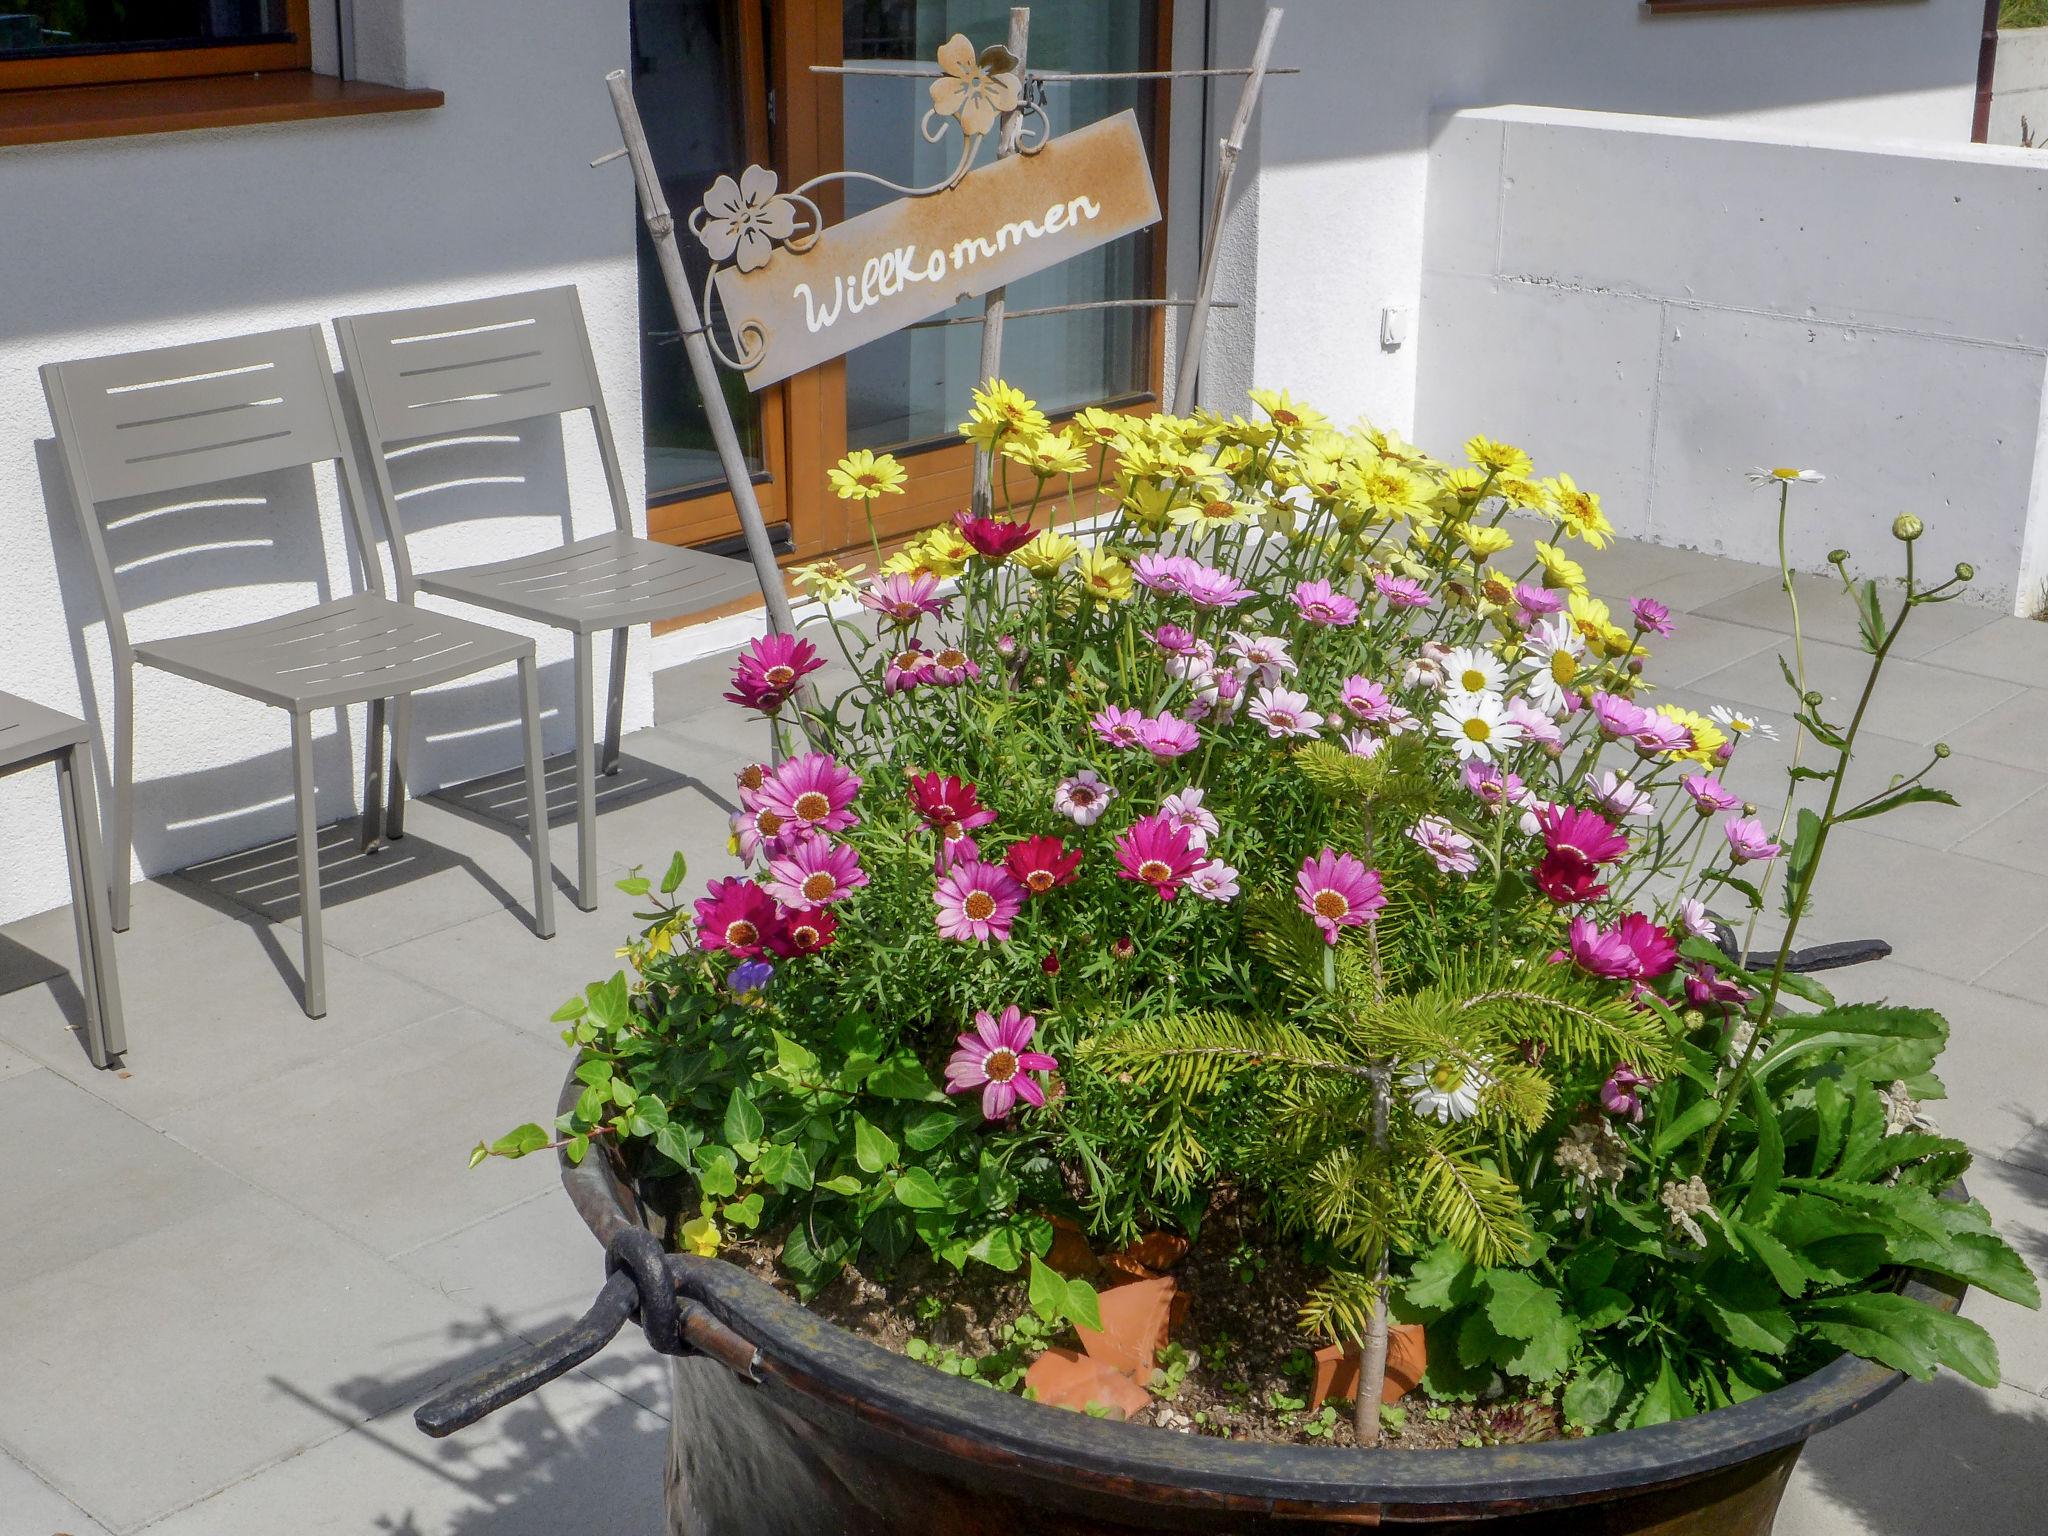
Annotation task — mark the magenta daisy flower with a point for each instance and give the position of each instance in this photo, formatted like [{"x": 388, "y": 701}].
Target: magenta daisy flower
[
  {"x": 1660, "y": 733},
  {"x": 1709, "y": 795},
  {"x": 738, "y": 917},
  {"x": 907, "y": 669},
  {"x": 977, "y": 901},
  {"x": 1168, "y": 736},
  {"x": 1321, "y": 603},
  {"x": 1748, "y": 842},
  {"x": 813, "y": 871},
  {"x": 1617, "y": 717},
  {"x": 1041, "y": 863},
  {"x": 1634, "y": 949},
  {"x": 1284, "y": 713},
  {"x": 1539, "y": 600},
  {"x": 952, "y": 666},
  {"x": 1400, "y": 591},
  {"x": 1083, "y": 798},
  {"x": 1207, "y": 587},
  {"x": 1453, "y": 851},
  {"x": 1652, "y": 617},
  {"x": 1621, "y": 1093},
  {"x": 1366, "y": 701},
  {"x": 1159, "y": 854},
  {"x": 904, "y": 596},
  {"x": 993, "y": 538},
  {"x": 1166, "y": 574},
  {"x": 769, "y": 669},
  {"x": 1115, "y": 726},
  {"x": 813, "y": 792},
  {"x": 945, "y": 801},
  {"x": 1173, "y": 640},
  {"x": 804, "y": 933},
  {"x": 996, "y": 1057},
  {"x": 1338, "y": 891}
]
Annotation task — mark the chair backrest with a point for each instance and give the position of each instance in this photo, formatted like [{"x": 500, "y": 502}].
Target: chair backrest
[
  {"x": 446, "y": 369},
  {"x": 181, "y": 418}
]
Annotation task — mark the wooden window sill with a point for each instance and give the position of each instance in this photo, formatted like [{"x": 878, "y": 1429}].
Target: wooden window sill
[
  {"x": 55, "y": 114},
  {"x": 1704, "y": 7}
]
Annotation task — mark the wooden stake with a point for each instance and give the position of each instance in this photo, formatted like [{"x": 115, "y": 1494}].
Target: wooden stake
[
  {"x": 992, "y": 305},
  {"x": 1226, "y": 168}
]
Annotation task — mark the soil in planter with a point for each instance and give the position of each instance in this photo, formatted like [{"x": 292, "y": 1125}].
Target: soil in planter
[{"x": 1238, "y": 1365}]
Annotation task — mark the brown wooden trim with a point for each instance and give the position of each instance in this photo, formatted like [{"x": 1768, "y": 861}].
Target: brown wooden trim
[
  {"x": 1703, "y": 7},
  {"x": 167, "y": 63},
  {"x": 1987, "y": 72},
  {"x": 174, "y": 106}
]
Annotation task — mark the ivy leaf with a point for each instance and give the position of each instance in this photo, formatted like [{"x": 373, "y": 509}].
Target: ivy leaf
[
  {"x": 746, "y": 1212},
  {"x": 675, "y": 1142},
  {"x": 872, "y": 1148},
  {"x": 793, "y": 1060},
  {"x": 519, "y": 1142},
  {"x": 610, "y": 1002},
  {"x": 1047, "y": 1291},
  {"x": 924, "y": 1129},
  {"x": 742, "y": 1121},
  {"x": 842, "y": 1184},
  {"x": 569, "y": 1012},
  {"x": 1084, "y": 1305},
  {"x": 785, "y": 1165},
  {"x": 717, "y": 1170},
  {"x": 1590, "y": 1401},
  {"x": 997, "y": 1247},
  {"x": 678, "y": 871},
  {"x": 889, "y": 1233},
  {"x": 902, "y": 1076},
  {"x": 917, "y": 1189}
]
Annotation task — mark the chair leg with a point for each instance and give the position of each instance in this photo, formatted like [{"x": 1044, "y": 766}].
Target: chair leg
[
  {"x": 536, "y": 800},
  {"x": 615, "y": 703},
  {"x": 401, "y": 743},
  {"x": 371, "y": 833},
  {"x": 106, "y": 973},
  {"x": 309, "y": 866},
  {"x": 95, "y": 948},
  {"x": 123, "y": 769},
  {"x": 586, "y": 781}
]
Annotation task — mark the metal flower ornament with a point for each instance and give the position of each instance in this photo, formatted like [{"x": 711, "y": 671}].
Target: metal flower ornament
[{"x": 742, "y": 223}]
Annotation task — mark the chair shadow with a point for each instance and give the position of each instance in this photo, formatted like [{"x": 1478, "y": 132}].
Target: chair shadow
[
  {"x": 265, "y": 880},
  {"x": 499, "y": 799}
]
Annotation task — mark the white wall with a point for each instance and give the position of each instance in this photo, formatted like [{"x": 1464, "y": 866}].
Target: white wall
[
  {"x": 127, "y": 243},
  {"x": 1331, "y": 231},
  {"x": 2019, "y": 87},
  {"x": 1655, "y": 305}
]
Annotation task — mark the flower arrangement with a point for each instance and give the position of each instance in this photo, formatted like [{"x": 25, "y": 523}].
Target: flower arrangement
[{"x": 1270, "y": 821}]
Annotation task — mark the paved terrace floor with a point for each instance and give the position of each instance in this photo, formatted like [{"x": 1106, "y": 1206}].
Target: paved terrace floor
[{"x": 228, "y": 1272}]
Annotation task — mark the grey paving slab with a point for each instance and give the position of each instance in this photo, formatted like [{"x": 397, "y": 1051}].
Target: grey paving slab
[
  {"x": 1698, "y": 646},
  {"x": 375, "y": 1139},
  {"x": 2014, "y": 649},
  {"x": 1938, "y": 1456},
  {"x": 175, "y": 1363},
  {"x": 1994, "y": 1070},
  {"x": 2015, "y": 732},
  {"x": 1913, "y": 701},
  {"x": 1703, "y": 580},
  {"x": 13, "y": 1063},
  {"x": 2022, "y": 974},
  {"x": 1626, "y": 568},
  {"x": 2018, "y": 837},
  {"x": 574, "y": 1457},
  {"x": 83, "y": 1178},
  {"x": 210, "y": 1014},
  {"x": 33, "y": 1508},
  {"x": 1827, "y": 614}
]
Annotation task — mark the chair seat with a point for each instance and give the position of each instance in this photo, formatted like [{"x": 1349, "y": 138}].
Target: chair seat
[
  {"x": 599, "y": 583},
  {"x": 29, "y": 732},
  {"x": 343, "y": 652}
]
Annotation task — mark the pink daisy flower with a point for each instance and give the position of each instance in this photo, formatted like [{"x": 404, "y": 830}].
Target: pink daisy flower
[
  {"x": 1709, "y": 795},
  {"x": 1214, "y": 881},
  {"x": 1536, "y": 726},
  {"x": 759, "y": 831},
  {"x": 1174, "y": 640},
  {"x": 1366, "y": 701},
  {"x": 769, "y": 669},
  {"x": 738, "y": 917},
  {"x": 1338, "y": 891},
  {"x": 1619, "y": 797},
  {"x": 1492, "y": 787},
  {"x": 977, "y": 901},
  {"x": 813, "y": 872},
  {"x": 1361, "y": 743},
  {"x": 1168, "y": 736},
  {"x": 907, "y": 669},
  {"x": 1217, "y": 697},
  {"x": 1652, "y": 617},
  {"x": 1748, "y": 842},
  {"x": 945, "y": 801},
  {"x": 1620, "y": 1094},
  {"x": 997, "y": 1058},
  {"x": 1115, "y": 726},
  {"x": 1193, "y": 664},
  {"x": 951, "y": 667},
  {"x": 1617, "y": 717},
  {"x": 1156, "y": 852},
  {"x": 1264, "y": 655},
  {"x": 1693, "y": 918},
  {"x": 1539, "y": 600},
  {"x": 1453, "y": 851},
  {"x": 1186, "y": 811},
  {"x": 1284, "y": 713},
  {"x": 1041, "y": 863},
  {"x": 904, "y": 596},
  {"x": 1210, "y": 588},
  {"x": 1083, "y": 798},
  {"x": 1634, "y": 949},
  {"x": 812, "y": 791},
  {"x": 1400, "y": 591},
  {"x": 1320, "y": 603},
  {"x": 1660, "y": 733},
  {"x": 1166, "y": 574},
  {"x": 956, "y": 846}
]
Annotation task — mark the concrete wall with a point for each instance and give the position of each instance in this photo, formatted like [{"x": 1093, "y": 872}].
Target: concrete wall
[
  {"x": 1656, "y": 305},
  {"x": 1331, "y": 230},
  {"x": 128, "y": 243},
  {"x": 2019, "y": 88}
]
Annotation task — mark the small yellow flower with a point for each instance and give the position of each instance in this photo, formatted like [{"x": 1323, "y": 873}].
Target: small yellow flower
[
  {"x": 943, "y": 552},
  {"x": 1497, "y": 589},
  {"x": 1149, "y": 503},
  {"x": 1321, "y": 473},
  {"x": 1560, "y": 570},
  {"x": 1485, "y": 542},
  {"x": 865, "y": 476},
  {"x": 1279, "y": 518},
  {"x": 1390, "y": 445},
  {"x": 1291, "y": 417},
  {"x": 1498, "y": 458},
  {"x": 999, "y": 410},
  {"x": 1212, "y": 512},
  {"x": 1590, "y": 618},
  {"x": 1046, "y": 553},
  {"x": 828, "y": 578},
  {"x": 1099, "y": 428},
  {"x": 1047, "y": 454},
  {"x": 1105, "y": 576},
  {"x": 1466, "y": 486},
  {"x": 1707, "y": 737},
  {"x": 1526, "y": 494},
  {"x": 1580, "y": 511},
  {"x": 1391, "y": 491},
  {"x": 700, "y": 1236}
]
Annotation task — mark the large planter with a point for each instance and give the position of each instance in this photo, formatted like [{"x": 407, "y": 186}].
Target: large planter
[{"x": 834, "y": 1434}]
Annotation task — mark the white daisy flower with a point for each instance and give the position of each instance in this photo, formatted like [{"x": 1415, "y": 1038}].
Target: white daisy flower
[
  {"x": 1083, "y": 798},
  {"x": 1552, "y": 656},
  {"x": 1284, "y": 713},
  {"x": 1619, "y": 797},
  {"x": 1214, "y": 880},
  {"x": 1476, "y": 725},
  {"x": 1794, "y": 476},
  {"x": 1185, "y": 813},
  {"x": 1692, "y": 914},
  {"x": 1265, "y": 655},
  {"x": 1468, "y": 669},
  {"x": 1445, "y": 1091},
  {"x": 1739, "y": 725}
]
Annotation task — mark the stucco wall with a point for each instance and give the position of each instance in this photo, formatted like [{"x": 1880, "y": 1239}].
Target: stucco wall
[
  {"x": 2019, "y": 87},
  {"x": 1656, "y": 305},
  {"x": 1331, "y": 232},
  {"x": 128, "y": 243}
]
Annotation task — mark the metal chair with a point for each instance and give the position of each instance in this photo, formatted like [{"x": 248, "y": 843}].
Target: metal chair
[
  {"x": 30, "y": 736},
  {"x": 180, "y": 418},
  {"x": 454, "y": 368}
]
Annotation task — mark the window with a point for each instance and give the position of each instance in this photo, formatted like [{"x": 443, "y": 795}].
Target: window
[{"x": 96, "y": 42}]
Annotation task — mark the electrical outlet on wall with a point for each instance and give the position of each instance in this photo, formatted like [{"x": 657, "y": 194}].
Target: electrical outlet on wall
[{"x": 1393, "y": 328}]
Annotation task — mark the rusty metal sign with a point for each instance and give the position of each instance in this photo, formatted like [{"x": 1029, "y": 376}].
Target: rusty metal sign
[{"x": 794, "y": 293}]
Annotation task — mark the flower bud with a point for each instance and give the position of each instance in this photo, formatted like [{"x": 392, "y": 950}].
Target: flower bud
[
  {"x": 1749, "y": 807},
  {"x": 1941, "y": 749},
  {"x": 1051, "y": 963},
  {"x": 1838, "y": 557},
  {"x": 1906, "y": 527},
  {"x": 1811, "y": 700},
  {"x": 1965, "y": 571}
]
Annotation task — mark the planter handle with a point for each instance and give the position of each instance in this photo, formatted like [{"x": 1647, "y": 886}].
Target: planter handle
[{"x": 642, "y": 1283}]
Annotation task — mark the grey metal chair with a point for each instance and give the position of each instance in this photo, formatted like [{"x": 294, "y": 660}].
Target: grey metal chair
[
  {"x": 30, "y": 736},
  {"x": 177, "y": 419},
  {"x": 454, "y": 368}
]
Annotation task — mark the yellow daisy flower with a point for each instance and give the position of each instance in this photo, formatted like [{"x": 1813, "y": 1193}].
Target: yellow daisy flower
[
  {"x": 865, "y": 476},
  {"x": 1580, "y": 511},
  {"x": 1590, "y": 618},
  {"x": 1290, "y": 416},
  {"x": 1466, "y": 486},
  {"x": 1391, "y": 491},
  {"x": 1707, "y": 737},
  {"x": 1047, "y": 552},
  {"x": 1105, "y": 576},
  {"x": 1098, "y": 427},
  {"x": 1485, "y": 542},
  {"x": 1560, "y": 570},
  {"x": 999, "y": 410},
  {"x": 828, "y": 578},
  {"x": 1213, "y": 512},
  {"x": 1498, "y": 458},
  {"x": 1047, "y": 454},
  {"x": 1149, "y": 503},
  {"x": 1526, "y": 494}
]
